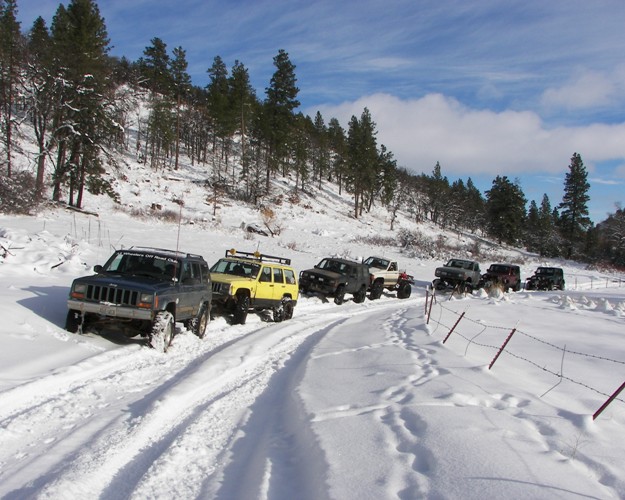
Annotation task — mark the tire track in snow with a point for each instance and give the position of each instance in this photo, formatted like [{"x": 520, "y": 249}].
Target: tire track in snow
[{"x": 98, "y": 429}]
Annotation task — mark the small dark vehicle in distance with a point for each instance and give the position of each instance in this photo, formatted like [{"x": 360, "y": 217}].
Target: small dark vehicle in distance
[{"x": 546, "y": 278}]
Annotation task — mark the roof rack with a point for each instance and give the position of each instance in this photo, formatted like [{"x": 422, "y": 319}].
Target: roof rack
[
  {"x": 163, "y": 250},
  {"x": 258, "y": 256}
]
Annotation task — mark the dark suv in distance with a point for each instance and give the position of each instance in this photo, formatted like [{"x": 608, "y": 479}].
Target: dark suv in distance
[
  {"x": 546, "y": 278},
  {"x": 335, "y": 277},
  {"x": 507, "y": 276},
  {"x": 143, "y": 291}
]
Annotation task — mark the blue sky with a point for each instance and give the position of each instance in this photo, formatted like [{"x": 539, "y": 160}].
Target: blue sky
[{"x": 486, "y": 88}]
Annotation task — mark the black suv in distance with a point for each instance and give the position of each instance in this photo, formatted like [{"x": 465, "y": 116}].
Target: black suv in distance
[
  {"x": 143, "y": 291},
  {"x": 546, "y": 278},
  {"x": 335, "y": 277}
]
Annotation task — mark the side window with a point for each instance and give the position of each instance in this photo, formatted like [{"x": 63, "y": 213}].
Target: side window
[
  {"x": 265, "y": 275},
  {"x": 290, "y": 276},
  {"x": 190, "y": 272},
  {"x": 195, "y": 272},
  {"x": 353, "y": 272},
  {"x": 278, "y": 277}
]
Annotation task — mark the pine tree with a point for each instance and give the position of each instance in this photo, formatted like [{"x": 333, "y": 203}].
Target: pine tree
[
  {"x": 41, "y": 91},
  {"x": 242, "y": 104},
  {"x": 505, "y": 205},
  {"x": 362, "y": 158},
  {"x": 611, "y": 238},
  {"x": 532, "y": 227},
  {"x": 548, "y": 236},
  {"x": 154, "y": 67},
  {"x": 438, "y": 194},
  {"x": 337, "y": 145},
  {"x": 218, "y": 98},
  {"x": 181, "y": 83},
  {"x": 474, "y": 208},
  {"x": 574, "y": 220},
  {"x": 81, "y": 46},
  {"x": 320, "y": 153},
  {"x": 10, "y": 63},
  {"x": 280, "y": 103}
]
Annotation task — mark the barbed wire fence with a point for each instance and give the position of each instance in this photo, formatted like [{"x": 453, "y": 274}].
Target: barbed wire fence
[{"x": 435, "y": 317}]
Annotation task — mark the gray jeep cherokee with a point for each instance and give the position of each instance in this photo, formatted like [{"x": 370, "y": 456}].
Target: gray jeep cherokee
[{"x": 143, "y": 291}]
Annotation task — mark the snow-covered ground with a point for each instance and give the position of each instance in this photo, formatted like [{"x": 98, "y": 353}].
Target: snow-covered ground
[{"x": 352, "y": 401}]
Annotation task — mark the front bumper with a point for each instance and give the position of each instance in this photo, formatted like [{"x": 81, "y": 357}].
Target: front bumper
[{"x": 110, "y": 310}]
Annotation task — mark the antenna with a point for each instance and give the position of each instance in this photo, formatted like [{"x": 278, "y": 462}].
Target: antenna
[{"x": 179, "y": 223}]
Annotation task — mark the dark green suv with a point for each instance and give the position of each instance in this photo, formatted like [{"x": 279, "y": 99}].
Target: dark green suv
[
  {"x": 335, "y": 277},
  {"x": 143, "y": 291},
  {"x": 546, "y": 278}
]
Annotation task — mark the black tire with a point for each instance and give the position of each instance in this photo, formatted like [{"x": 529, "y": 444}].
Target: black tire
[
  {"x": 241, "y": 309},
  {"x": 360, "y": 295},
  {"x": 404, "y": 291},
  {"x": 376, "y": 290},
  {"x": 199, "y": 324},
  {"x": 339, "y": 296},
  {"x": 73, "y": 321},
  {"x": 278, "y": 313},
  {"x": 163, "y": 330},
  {"x": 288, "y": 309},
  {"x": 283, "y": 311}
]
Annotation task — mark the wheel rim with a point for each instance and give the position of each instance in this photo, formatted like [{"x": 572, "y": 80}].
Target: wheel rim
[
  {"x": 202, "y": 325},
  {"x": 168, "y": 335}
]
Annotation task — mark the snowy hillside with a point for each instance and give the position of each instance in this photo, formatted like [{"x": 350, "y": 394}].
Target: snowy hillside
[{"x": 373, "y": 400}]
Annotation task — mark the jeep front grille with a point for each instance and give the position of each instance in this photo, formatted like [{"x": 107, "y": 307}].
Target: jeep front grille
[
  {"x": 221, "y": 288},
  {"x": 112, "y": 295}
]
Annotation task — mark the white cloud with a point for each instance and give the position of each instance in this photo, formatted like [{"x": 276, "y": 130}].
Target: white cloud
[
  {"x": 469, "y": 141},
  {"x": 605, "y": 182},
  {"x": 585, "y": 90}
]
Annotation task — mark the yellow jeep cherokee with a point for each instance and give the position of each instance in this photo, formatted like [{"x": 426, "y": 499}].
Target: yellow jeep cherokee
[{"x": 244, "y": 281}]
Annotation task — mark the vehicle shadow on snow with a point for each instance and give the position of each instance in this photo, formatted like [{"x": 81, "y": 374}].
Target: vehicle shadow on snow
[
  {"x": 47, "y": 302},
  {"x": 50, "y": 303}
]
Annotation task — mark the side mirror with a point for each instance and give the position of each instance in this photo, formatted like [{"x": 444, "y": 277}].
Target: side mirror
[{"x": 97, "y": 269}]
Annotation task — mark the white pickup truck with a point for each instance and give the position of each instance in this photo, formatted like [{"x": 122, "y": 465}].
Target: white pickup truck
[{"x": 386, "y": 275}]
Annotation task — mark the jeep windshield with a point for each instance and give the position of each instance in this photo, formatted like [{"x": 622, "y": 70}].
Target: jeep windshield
[
  {"x": 333, "y": 265},
  {"x": 545, "y": 271},
  {"x": 236, "y": 268},
  {"x": 495, "y": 268},
  {"x": 142, "y": 264}
]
